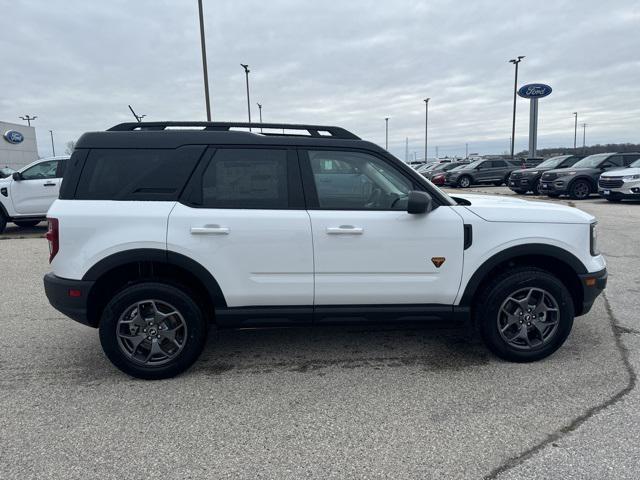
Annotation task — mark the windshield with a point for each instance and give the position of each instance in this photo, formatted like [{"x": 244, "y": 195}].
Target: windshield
[
  {"x": 591, "y": 161},
  {"x": 552, "y": 162},
  {"x": 635, "y": 164}
]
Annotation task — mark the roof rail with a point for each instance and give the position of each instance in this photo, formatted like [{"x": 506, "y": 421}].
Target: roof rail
[{"x": 312, "y": 130}]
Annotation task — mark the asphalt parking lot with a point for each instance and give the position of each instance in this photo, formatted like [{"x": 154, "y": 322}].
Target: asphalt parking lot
[{"x": 330, "y": 402}]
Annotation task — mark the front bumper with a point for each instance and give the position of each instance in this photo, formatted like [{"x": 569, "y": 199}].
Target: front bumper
[
  {"x": 522, "y": 183},
  {"x": 69, "y": 297},
  {"x": 553, "y": 186},
  {"x": 592, "y": 285},
  {"x": 618, "y": 194}
]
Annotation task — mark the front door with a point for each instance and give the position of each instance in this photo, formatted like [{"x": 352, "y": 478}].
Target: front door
[
  {"x": 367, "y": 249},
  {"x": 38, "y": 188},
  {"x": 244, "y": 221}
]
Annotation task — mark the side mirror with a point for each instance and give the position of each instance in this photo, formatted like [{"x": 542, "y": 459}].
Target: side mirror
[
  {"x": 17, "y": 176},
  {"x": 419, "y": 202}
]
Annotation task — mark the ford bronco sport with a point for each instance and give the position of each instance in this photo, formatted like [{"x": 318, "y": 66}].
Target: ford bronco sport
[{"x": 161, "y": 234}]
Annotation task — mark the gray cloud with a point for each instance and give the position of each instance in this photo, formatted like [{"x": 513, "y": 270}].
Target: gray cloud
[{"x": 77, "y": 64}]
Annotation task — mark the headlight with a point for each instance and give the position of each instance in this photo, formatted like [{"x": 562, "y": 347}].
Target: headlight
[
  {"x": 535, "y": 172},
  {"x": 593, "y": 242},
  {"x": 628, "y": 178},
  {"x": 571, "y": 173}
]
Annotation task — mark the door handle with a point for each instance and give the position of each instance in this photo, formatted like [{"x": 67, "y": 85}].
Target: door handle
[
  {"x": 49, "y": 184},
  {"x": 210, "y": 230},
  {"x": 345, "y": 230}
]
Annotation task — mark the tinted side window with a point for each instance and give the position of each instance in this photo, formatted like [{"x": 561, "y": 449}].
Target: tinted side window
[
  {"x": 499, "y": 163},
  {"x": 615, "y": 160},
  {"x": 570, "y": 161},
  {"x": 246, "y": 178},
  {"x": 136, "y": 174},
  {"x": 41, "y": 171},
  {"x": 62, "y": 164},
  {"x": 361, "y": 182}
]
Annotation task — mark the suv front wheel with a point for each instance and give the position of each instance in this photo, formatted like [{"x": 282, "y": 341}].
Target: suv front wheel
[
  {"x": 152, "y": 330},
  {"x": 464, "y": 181},
  {"x": 526, "y": 314}
]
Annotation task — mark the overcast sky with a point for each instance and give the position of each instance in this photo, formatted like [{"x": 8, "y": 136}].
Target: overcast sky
[{"x": 77, "y": 64}]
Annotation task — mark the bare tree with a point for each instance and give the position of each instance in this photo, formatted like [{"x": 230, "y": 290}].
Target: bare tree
[{"x": 69, "y": 146}]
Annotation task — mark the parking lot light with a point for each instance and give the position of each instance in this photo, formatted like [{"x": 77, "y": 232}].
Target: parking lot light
[{"x": 515, "y": 61}]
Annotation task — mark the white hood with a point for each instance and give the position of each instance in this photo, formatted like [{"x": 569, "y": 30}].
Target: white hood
[
  {"x": 493, "y": 208},
  {"x": 622, "y": 173}
]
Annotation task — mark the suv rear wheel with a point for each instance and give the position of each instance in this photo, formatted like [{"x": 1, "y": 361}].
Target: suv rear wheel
[
  {"x": 526, "y": 315},
  {"x": 3, "y": 221},
  {"x": 152, "y": 330}
]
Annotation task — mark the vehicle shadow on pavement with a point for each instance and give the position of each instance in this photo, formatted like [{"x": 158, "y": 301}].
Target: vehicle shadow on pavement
[{"x": 315, "y": 349}]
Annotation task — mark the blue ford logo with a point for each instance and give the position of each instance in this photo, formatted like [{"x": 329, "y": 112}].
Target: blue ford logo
[
  {"x": 13, "y": 136},
  {"x": 534, "y": 90}
]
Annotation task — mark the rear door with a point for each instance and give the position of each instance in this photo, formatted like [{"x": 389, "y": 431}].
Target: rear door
[
  {"x": 242, "y": 217},
  {"x": 39, "y": 187}
]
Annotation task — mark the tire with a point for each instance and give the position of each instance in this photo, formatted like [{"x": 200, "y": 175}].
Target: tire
[
  {"x": 3, "y": 221},
  {"x": 464, "y": 181},
  {"x": 536, "y": 187},
  {"x": 498, "y": 309},
  {"x": 580, "y": 189},
  {"x": 26, "y": 223},
  {"x": 179, "y": 336}
]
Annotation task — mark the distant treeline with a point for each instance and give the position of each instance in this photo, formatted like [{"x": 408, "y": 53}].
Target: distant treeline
[{"x": 589, "y": 150}]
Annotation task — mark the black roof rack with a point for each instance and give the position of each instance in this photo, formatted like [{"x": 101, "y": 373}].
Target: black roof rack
[{"x": 312, "y": 130}]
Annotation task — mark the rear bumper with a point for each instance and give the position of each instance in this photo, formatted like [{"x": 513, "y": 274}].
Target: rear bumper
[
  {"x": 69, "y": 297},
  {"x": 592, "y": 285}
]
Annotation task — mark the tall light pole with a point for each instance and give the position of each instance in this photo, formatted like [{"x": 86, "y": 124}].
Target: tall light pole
[
  {"x": 53, "y": 147},
  {"x": 426, "y": 126},
  {"x": 386, "y": 133},
  {"x": 515, "y": 61},
  {"x": 204, "y": 62},
  {"x": 584, "y": 137},
  {"x": 260, "y": 110},
  {"x": 406, "y": 150},
  {"x": 575, "y": 129},
  {"x": 466, "y": 150},
  {"x": 246, "y": 74},
  {"x": 28, "y": 119}
]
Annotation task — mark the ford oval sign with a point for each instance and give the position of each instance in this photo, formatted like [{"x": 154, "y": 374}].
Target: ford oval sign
[
  {"x": 13, "y": 136},
  {"x": 534, "y": 90}
]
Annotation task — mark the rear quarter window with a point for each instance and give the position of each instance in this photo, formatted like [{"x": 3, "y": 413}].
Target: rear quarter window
[{"x": 136, "y": 174}]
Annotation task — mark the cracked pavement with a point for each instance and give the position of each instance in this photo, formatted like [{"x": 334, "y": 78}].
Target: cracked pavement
[{"x": 331, "y": 402}]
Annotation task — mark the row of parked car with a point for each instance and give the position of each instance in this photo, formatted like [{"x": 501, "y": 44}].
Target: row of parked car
[{"x": 615, "y": 176}]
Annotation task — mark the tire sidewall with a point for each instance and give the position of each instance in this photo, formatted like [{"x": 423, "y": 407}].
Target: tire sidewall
[
  {"x": 178, "y": 298},
  {"x": 573, "y": 189},
  {"x": 508, "y": 284},
  {"x": 461, "y": 179}
]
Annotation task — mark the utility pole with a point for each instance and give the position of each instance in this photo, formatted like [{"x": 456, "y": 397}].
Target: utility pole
[
  {"x": 137, "y": 117},
  {"x": 437, "y": 157},
  {"x": 260, "y": 110},
  {"x": 575, "y": 129},
  {"x": 584, "y": 137},
  {"x": 53, "y": 147},
  {"x": 466, "y": 150},
  {"x": 386, "y": 133},
  {"x": 426, "y": 126},
  {"x": 204, "y": 63},
  {"x": 28, "y": 119},
  {"x": 406, "y": 150},
  {"x": 515, "y": 61},
  {"x": 246, "y": 73}
]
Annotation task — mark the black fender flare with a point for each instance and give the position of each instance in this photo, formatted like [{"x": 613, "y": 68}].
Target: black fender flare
[
  {"x": 162, "y": 256},
  {"x": 519, "y": 251}
]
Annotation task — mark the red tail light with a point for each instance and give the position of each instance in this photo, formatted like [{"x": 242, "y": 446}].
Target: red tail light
[{"x": 53, "y": 236}]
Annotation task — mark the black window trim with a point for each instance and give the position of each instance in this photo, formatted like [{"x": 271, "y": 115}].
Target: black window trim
[
  {"x": 294, "y": 183},
  {"x": 309, "y": 186}
]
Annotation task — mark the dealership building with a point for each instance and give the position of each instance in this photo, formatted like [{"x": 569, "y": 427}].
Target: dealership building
[{"x": 17, "y": 145}]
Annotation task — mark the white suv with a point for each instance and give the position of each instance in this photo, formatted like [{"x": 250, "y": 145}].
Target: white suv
[
  {"x": 161, "y": 234},
  {"x": 621, "y": 185},
  {"x": 26, "y": 195}
]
